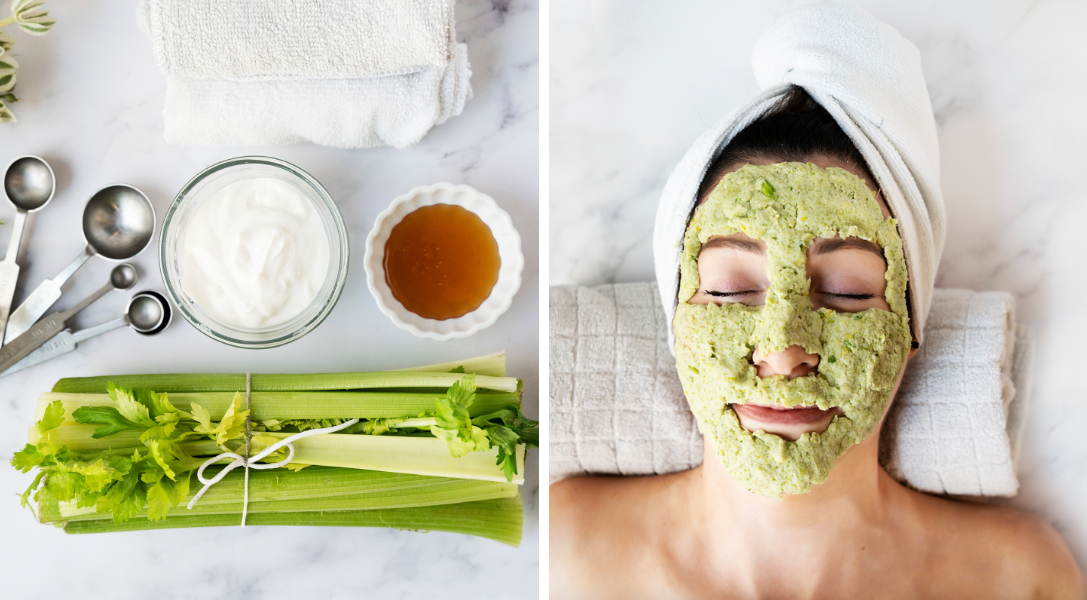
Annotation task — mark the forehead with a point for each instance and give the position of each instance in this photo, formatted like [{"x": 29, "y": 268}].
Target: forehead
[
  {"x": 789, "y": 203},
  {"x": 821, "y": 161}
]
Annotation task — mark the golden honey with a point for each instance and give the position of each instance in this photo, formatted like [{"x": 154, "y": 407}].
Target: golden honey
[{"x": 441, "y": 261}]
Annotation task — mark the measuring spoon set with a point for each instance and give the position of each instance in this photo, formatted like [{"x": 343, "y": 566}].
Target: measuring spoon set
[{"x": 118, "y": 223}]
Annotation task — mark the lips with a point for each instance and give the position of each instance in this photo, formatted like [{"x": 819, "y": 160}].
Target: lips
[{"x": 781, "y": 416}]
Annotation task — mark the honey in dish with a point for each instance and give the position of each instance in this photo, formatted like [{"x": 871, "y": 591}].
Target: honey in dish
[{"x": 441, "y": 261}]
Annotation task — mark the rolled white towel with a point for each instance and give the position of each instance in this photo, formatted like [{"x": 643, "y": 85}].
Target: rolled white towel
[{"x": 617, "y": 406}]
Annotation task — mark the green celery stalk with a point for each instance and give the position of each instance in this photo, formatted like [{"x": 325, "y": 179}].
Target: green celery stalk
[
  {"x": 299, "y": 405},
  {"x": 399, "y": 454},
  {"x": 490, "y": 364},
  {"x": 312, "y": 489},
  {"x": 500, "y": 520},
  {"x": 232, "y": 382},
  {"x": 418, "y": 455}
]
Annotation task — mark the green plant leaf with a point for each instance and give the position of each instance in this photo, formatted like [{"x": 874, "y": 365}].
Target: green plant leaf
[
  {"x": 6, "y": 116},
  {"x": 130, "y": 408},
  {"x": 27, "y": 458},
  {"x": 103, "y": 415},
  {"x": 30, "y": 18}
]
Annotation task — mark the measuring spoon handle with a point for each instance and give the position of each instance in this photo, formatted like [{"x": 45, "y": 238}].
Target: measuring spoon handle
[
  {"x": 43, "y": 330},
  {"x": 63, "y": 343},
  {"x": 86, "y": 334},
  {"x": 9, "y": 269},
  {"x": 26, "y": 343},
  {"x": 58, "y": 345},
  {"x": 41, "y": 299}
]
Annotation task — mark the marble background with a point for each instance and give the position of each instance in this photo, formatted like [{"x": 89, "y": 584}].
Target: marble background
[
  {"x": 633, "y": 84},
  {"x": 91, "y": 104}
]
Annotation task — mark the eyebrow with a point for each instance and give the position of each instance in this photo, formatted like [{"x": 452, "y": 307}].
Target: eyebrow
[
  {"x": 835, "y": 244},
  {"x": 751, "y": 246}
]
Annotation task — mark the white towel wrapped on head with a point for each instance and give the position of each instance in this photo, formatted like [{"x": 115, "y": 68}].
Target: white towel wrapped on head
[
  {"x": 869, "y": 78},
  {"x": 339, "y": 73},
  {"x": 617, "y": 406}
]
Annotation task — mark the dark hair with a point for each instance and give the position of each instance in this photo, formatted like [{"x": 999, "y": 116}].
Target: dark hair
[{"x": 797, "y": 128}]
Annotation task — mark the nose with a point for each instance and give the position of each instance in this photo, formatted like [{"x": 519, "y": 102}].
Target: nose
[{"x": 793, "y": 362}]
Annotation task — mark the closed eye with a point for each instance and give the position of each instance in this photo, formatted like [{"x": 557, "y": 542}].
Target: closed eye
[
  {"x": 728, "y": 294},
  {"x": 851, "y": 296}
]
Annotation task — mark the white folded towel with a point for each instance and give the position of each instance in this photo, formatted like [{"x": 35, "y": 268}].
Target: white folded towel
[
  {"x": 297, "y": 39},
  {"x": 341, "y": 73},
  {"x": 617, "y": 406},
  {"x": 396, "y": 110},
  {"x": 869, "y": 78}
]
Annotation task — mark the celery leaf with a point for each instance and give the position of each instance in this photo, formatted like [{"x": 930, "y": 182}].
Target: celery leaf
[
  {"x": 54, "y": 416},
  {"x": 103, "y": 415},
  {"x": 128, "y": 406}
]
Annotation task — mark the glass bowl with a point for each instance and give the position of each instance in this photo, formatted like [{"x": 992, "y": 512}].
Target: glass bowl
[
  {"x": 215, "y": 178},
  {"x": 509, "y": 251}
]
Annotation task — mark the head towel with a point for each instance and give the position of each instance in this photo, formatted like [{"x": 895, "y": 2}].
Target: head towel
[{"x": 869, "y": 78}]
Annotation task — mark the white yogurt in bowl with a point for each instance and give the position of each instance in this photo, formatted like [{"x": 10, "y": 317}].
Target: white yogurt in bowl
[{"x": 255, "y": 253}]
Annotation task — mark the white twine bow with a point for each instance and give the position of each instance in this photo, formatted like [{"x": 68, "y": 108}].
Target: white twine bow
[{"x": 250, "y": 462}]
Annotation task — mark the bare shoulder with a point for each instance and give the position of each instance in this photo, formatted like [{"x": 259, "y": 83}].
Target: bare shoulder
[
  {"x": 1011, "y": 552},
  {"x": 599, "y": 533}
]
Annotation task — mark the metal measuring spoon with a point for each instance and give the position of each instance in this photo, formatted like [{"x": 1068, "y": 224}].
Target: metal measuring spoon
[
  {"x": 148, "y": 313},
  {"x": 118, "y": 223},
  {"x": 122, "y": 277},
  {"x": 29, "y": 184}
]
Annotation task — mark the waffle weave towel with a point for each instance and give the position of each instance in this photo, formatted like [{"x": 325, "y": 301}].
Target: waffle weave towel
[
  {"x": 617, "y": 406},
  {"x": 338, "y": 73}
]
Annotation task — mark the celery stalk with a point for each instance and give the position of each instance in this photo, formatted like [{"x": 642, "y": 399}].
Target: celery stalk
[
  {"x": 398, "y": 454},
  {"x": 491, "y": 364},
  {"x": 232, "y": 382},
  {"x": 418, "y": 455},
  {"x": 312, "y": 489},
  {"x": 500, "y": 520},
  {"x": 300, "y": 405}
]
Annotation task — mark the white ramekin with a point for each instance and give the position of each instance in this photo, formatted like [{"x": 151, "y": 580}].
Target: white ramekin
[{"x": 509, "y": 251}]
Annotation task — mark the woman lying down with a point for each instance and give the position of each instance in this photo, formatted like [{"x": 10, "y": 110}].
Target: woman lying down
[{"x": 793, "y": 323}]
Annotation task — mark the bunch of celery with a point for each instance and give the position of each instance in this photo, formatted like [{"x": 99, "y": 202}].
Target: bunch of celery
[{"x": 440, "y": 448}]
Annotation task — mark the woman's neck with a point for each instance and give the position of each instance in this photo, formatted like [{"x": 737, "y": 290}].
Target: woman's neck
[{"x": 747, "y": 533}]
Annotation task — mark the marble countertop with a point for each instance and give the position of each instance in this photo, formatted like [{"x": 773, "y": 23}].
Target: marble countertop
[
  {"x": 91, "y": 103},
  {"x": 633, "y": 84}
]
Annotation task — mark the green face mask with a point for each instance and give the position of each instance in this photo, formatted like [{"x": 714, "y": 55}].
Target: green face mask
[{"x": 787, "y": 206}]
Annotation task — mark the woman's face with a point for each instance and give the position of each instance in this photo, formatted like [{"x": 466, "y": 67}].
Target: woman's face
[
  {"x": 847, "y": 276},
  {"x": 791, "y": 327}
]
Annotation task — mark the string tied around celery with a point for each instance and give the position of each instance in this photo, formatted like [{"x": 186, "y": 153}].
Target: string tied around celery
[{"x": 251, "y": 462}]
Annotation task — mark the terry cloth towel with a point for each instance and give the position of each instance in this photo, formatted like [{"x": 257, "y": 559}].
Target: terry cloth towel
[
  {"x": 298, "y": 39},
  {"x": 343, "y": 74},
  {"x": 617, "y": 406},
  {"x": 869, "y": 78}
]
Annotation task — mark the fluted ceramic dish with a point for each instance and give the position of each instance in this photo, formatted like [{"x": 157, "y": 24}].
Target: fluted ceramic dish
[{"x": 509, "y": 251}]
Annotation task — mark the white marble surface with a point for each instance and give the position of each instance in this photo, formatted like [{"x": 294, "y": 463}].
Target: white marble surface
[
  {"x": 634, "y": 83},
  {"x": 91, "y": 104}
]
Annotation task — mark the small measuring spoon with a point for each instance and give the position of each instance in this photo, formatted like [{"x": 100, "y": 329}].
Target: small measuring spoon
[
  {"x": 122, "y": 277},
  {"x": 148, "y": 313},
  {"x": 29, "y": 184},
  {"x": 118, "y": 223}
]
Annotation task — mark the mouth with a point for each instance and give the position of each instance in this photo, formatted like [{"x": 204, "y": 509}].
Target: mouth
[{"x": 773, "y": 415}]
